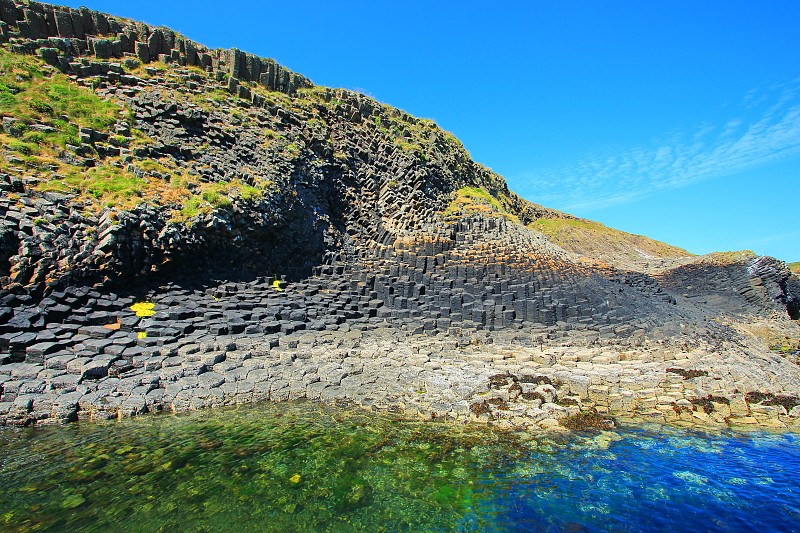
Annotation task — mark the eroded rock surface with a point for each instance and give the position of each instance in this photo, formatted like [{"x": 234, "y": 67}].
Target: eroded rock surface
[{"x": 304, "y": 242}]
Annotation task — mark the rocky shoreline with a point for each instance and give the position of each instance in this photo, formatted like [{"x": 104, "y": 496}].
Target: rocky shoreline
[
  {"x": 504, "y": 385},
  {"x": 526, "y": 377},
  {"x": 314, "y": 243}
]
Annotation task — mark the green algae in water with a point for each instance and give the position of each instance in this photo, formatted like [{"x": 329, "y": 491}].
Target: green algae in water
[
  {"x": 305, "y": 467},
  {"x": 286, "y": 467}
]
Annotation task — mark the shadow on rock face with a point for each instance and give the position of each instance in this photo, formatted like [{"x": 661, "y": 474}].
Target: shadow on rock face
[{"x": 791, "y": 288}]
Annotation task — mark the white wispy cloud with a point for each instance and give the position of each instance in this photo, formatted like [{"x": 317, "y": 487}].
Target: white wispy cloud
[
  {"x": 763, "y": 128},
  {"x": 787, "y": 237}
]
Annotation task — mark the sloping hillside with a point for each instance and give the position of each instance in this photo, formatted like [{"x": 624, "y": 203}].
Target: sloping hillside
[
  {"x": 608, "y": 245},
  {"x": 200, "y": 161}
]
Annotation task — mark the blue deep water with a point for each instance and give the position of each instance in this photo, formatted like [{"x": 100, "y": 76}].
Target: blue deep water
[{"x": 653, "y": 479}]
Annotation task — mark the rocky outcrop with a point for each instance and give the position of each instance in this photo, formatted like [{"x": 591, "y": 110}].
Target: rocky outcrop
[
  {"x": 740, "y": 285},
  {"x": 63, "y": 35},
  {"x": 299, "y": 241},
  {"x": 333, "y": 167}
]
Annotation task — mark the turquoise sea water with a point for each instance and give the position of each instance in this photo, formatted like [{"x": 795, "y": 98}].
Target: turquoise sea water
[{"x": 304, "y": 467}]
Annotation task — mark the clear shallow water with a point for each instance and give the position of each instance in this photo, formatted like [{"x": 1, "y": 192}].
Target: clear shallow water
[{"x": 303, "y": 467}]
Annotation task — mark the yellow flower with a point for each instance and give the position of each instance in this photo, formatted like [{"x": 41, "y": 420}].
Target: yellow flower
[
  {"x": 295, "y": 478},
  {"x": 143, "y": 309}
]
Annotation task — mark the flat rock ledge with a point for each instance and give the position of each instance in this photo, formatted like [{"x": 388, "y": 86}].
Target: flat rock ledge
[{"x": 502, "y": 378}]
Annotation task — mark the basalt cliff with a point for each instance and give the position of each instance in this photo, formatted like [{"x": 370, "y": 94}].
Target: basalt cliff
[{"x": 183, "y": 228}]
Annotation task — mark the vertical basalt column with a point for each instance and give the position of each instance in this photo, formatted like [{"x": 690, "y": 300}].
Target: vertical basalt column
[
  {"x": 142, "y": 52},
  {"x": 191, "y": 54},
  {"x": 100, "y": 23},
  {"x": 87, "y": 21},
  {"x": 253, "y": 68},
  {"x": 9, "y": 13},
  {"x": 235, "y": 63},
  {"x": 77, "y": 24},
  {"x": 37, "y": 24},
  {"x": 154, "y": 42},
  {"x": 64, "y": 24}
]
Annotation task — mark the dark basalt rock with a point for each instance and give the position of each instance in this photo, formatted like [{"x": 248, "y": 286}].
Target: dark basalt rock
[
  {"x": 688, "y": 374},
  {"x": 349, "y": 233},
  {"x": 768, "y": 398},
  {"x": 530, "y": 396},
  {"x": 707, "y": 403},
  {"x": 480, "y": 408},
  {"x": 587, "y": 420}
]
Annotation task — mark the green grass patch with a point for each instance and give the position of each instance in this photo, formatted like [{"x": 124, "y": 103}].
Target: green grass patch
[
  {"x": 152, "y": 165},
  {"x": 24, "y": 148},
  {"x": 207, "y": 99},
  {"x": 727, "y": 258},
  {"x": 292, "y": 150},
  {"x": 593, "y": 239},
  {"x": 78, "y": 103},
  {"x": 111, "y": 183},
  {"x": 32, "y": 91},
  {"x": 208, "y": 197},
  {"x": 104, "y": 185},
  {"x": 216, "y": 195},
  {"x": 551, "y": 226},
  {"x": 794, "y": 267},
  {"x": 410, "y": 147},
  {"x": 119, "y": 140},
  {"x": 222, "y": 194},
  {"x": 140, "y": 70},
  {"x": 269, "y": 136},
  {"x": 36, "y": 137},
  {"x": 140, "y": 139},
  {"x": 190, "y": 209},
  {"x": 476, "y": 200}
]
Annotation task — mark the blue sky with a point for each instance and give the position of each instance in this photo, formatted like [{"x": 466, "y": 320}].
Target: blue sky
[{"x": 678, "y": 120}]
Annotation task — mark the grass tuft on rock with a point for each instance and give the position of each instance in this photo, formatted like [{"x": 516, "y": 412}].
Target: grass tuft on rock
[{"x": 476, "y": 200}]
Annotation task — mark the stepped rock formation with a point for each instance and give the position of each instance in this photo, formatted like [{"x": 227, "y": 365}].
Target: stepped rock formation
[{"x": 298, "y": 241}]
